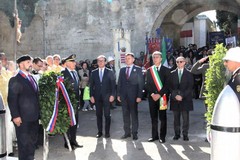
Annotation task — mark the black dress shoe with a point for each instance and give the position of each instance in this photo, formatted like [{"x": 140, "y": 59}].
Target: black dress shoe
[
  {"x": 135, "y": 137},
  {"x": 66, "y": 146},
  {"x": 176, "y": 137},
  {"x": 152, "y": 139},
  {"x": 107, "y": 135},
  {"x": 75, "y": 144},
  {"x": 125, "y": 136},
  {"x": 11, "y": 154},
  {"x": 99, "y": 135},
  {"x": 162, "y": 140},
  {"x": 185, "y": 138}
]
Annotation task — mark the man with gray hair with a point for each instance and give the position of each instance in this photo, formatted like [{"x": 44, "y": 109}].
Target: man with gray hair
[
  {"x": 157, "y": 87},
  {"x": 181, "y": 84}
]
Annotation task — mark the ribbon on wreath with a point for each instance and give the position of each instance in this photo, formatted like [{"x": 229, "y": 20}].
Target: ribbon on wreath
[{"x": 61, "y": 87}]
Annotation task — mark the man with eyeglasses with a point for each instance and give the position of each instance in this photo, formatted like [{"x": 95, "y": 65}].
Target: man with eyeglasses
[
  {"x": 181, "y": 84},
  {"x": 102, "y": 92},
  {"x": 36, "y": 67},
  {"x": 157, "y": 87}
]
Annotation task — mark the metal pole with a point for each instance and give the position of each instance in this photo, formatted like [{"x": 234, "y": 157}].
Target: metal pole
[
  {"x": 15, "y": 30},
  {"x": 44, "y": 33}
]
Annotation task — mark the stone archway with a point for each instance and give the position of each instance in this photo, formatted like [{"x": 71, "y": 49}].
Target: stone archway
[{"x": 175, "y": 14}]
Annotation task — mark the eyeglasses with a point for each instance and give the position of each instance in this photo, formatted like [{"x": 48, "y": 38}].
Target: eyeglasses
[
  {"x": 226, "y": 61},
  {"x": 180, "y": 61}
]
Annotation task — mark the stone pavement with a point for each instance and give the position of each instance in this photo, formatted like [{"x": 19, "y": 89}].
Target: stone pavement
[{"x": 115, "y": 148}]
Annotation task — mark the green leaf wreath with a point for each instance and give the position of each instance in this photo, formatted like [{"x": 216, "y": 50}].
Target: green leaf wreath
[
  {"x": 215, "y": 79},
  {"x": 47, "y": 87}
]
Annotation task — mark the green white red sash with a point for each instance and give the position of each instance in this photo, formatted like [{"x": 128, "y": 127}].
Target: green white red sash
[{"x": 159, "y": 85}]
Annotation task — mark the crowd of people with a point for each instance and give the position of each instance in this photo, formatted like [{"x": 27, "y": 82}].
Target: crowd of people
[{"x": 96, "y": 88}]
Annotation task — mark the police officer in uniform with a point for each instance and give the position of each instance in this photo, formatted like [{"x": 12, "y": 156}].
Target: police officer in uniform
[
  {"x": 71, "y": 74},
  {"x": 232, "y": 63}
]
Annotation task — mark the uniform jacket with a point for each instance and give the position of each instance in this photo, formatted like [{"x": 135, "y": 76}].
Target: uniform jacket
[
  {"x": 132, "y": 87},
  {"x": 105, "y": 88},
  {"x": 184, "y": 88},
  {"x": 68, "y": 75},
  {"x": 199, "y": 68},
  {"x": 234, "y": 83},
  {"x": 23, "y": 100}
]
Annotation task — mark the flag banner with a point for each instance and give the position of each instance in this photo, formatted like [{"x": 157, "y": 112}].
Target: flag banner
[
  {"x": 164, "y": 53},
  {"x": 153, "y": 45}
]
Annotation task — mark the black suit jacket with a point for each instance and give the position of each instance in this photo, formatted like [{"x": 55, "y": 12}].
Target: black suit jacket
[
  {"x": 132, "y": 87},
  {"x": 164, "y": 74},
  {"x": 22, "y": 99},
  {"x": 105, "y": 88},
  {"x": 184, "y": 88},
  {"x": 75, "y": 84}
]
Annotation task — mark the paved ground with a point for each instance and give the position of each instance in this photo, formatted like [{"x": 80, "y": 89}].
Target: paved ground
[{"x": 115, "y": 148}]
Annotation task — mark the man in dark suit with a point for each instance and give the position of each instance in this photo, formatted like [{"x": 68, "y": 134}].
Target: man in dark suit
[
  {"x": 102, "y": 91},
  {"x": 130, "y": 86},
  {"x": 23, "y": 103},
  {"x": 155, "y": 94},
  {"x": 181, "y": 85},
  {"x": 70, "y": 74}
]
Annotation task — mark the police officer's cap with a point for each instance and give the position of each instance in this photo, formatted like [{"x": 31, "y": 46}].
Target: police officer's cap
[
  {"x": 71, "y": 58},
  {"x": 130, "y": 53},
  {"x": 233, "y": 54},
  {"x": 23, "y": 58}
]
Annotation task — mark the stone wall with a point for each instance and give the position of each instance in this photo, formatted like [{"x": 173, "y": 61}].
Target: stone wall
[{"x": 84, "y": 27}]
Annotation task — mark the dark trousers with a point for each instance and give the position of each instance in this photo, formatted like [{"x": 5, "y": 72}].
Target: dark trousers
[
  {"x": 177, "y": 122},
  {"x": 72, "y": 131},
  {"x": 156, "y": 114},
  {"x": 103, "y": 106},
  {"x": 27, "y": 136},
  {"x": 81, "y": 98},
  {"x": 130, "y": 112}
]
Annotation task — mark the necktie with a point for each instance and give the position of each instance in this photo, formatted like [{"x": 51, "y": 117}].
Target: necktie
[
  {"x": 74, "y": 77},
  {"x": 179, "y": 75},
  {"x": 127, "y": 72},
  {"x": 157, "y": 68},
  {"x": 32, "y": 82},
  {"x": 101, "y": 74}
]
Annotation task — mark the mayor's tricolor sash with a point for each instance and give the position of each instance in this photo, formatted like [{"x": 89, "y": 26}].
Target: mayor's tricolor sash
[
  {"x": 159, "y": 85},
  {"x": 61, "y": 87}
]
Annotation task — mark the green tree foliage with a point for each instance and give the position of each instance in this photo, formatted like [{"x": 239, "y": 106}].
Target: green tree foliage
[
  {"x": 47, "y": 87},
  {"x": 215, "y": 79},
  {"x": 227, "y": 22}
]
